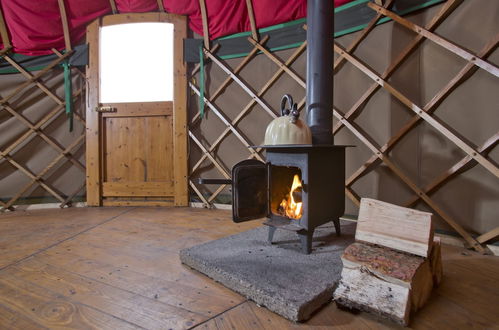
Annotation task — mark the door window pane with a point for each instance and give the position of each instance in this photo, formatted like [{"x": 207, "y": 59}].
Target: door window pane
[{"x": 136, "y": 62}]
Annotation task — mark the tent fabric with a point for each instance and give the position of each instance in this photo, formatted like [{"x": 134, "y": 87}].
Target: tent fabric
[{"x": 35, "y": 27}]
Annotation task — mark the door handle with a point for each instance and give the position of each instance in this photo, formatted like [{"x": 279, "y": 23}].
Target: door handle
[{"x": 106, "y": 109}]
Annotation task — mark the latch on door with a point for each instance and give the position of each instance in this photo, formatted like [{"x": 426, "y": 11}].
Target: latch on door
[{"x": 106, "y": 109}]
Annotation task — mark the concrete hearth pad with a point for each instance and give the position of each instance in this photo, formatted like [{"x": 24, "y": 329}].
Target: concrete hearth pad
[{"x": 276, "y": 276}]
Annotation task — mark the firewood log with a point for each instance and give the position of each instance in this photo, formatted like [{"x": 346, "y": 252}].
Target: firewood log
[{"x": 384, "y": 281}]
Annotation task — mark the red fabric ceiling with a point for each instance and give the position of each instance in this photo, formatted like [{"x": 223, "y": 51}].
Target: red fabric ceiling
[{"x": 35, "y": 27}]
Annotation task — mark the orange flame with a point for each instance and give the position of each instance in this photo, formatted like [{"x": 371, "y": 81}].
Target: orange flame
[{"x": 291, "y": 208}]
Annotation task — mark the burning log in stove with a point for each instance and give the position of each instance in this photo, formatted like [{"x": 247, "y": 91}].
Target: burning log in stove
[{"x": 291, "y": 205}]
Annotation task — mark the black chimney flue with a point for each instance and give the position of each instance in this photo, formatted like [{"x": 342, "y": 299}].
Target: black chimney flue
[{"x": 320, "y": 29}]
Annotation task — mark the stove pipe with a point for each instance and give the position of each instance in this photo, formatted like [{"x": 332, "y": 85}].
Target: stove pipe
[{"x": 320, "y": 29}]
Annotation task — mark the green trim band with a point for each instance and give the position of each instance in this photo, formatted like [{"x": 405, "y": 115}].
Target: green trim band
[
  {"x": 336, "y": 34},
  {"x": 265, "y": 29},
  {"x": 14, "y": 70},
  {"x": 293, "y": 45}
]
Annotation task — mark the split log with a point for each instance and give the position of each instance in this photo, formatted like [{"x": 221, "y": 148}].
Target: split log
[
  {"x": 395, "y": 227},
  {"x": 395, "y": 263},
  {"x": 384, "y": 281}
]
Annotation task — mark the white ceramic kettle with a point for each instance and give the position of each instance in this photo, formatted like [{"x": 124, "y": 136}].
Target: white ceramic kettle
[{"x": 288, "y": 129}]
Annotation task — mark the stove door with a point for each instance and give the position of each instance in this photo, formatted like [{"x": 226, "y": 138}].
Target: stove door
[{"x": 249, "y": 190}]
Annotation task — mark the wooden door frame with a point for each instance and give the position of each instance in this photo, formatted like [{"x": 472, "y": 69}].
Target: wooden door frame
[{"x": 94, "y": 152}]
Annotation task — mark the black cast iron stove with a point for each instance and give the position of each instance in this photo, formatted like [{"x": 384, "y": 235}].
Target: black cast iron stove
[{"x": 259, "y": 188}]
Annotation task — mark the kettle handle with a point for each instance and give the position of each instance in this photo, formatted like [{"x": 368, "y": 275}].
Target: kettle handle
[{"x": 286, "y": 98}]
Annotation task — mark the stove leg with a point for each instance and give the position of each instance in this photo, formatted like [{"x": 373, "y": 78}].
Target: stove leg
[
  {"x": 337, "y": 227},
  {"x": 306, "y": 241},
  {"x": 271, "y": 233}
]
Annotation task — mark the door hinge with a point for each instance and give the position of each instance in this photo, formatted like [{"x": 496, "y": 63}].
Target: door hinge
[{"x": 106, "y": 109}]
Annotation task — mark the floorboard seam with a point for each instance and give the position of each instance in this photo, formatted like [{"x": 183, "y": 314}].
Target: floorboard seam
[
  {"x": 217, "y": 315},
  {"x": 66, "y": 239}
]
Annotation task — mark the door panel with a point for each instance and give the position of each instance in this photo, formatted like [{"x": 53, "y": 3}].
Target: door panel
[{"x": 137, "y": 154}]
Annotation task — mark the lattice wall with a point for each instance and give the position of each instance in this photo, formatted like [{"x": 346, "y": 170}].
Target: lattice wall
[
  {"x": 37, "y": 156},
  {"x": 40, "y": 160},
  {"x": 393, "y": 86}
]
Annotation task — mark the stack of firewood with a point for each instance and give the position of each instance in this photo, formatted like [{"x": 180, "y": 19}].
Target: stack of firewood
[{"x": 394, "y": 264}]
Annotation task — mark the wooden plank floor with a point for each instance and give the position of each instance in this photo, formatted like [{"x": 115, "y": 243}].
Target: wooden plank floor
[{"x": 118, "y": 268}]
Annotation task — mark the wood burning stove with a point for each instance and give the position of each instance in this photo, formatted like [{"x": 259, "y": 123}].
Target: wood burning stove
[
  {"x": 259, "y": 189},
  {"x": 299, "y": 187}
]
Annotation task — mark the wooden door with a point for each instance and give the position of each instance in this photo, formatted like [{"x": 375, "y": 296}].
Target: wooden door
[{"x": 136, "y": 152}]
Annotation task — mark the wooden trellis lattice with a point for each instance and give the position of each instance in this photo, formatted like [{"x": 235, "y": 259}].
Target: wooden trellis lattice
[
  {"x": 424, "y": 114},
  {"x": 36, "y": 129},
  {"x": 474, "y": 155}
]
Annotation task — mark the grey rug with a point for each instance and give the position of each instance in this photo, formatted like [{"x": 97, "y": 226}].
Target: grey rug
[{"x": 276, "y": 276}]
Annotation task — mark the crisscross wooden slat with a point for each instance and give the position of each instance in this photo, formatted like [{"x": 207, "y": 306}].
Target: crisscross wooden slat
[
  {"x": 444, "y": 12},
  {"x": 36, "y": 129},
  {"x": 198, "y": 65},
  {"x": 219, "y": 167},
  {"x": 430, "y": 107},
  {"x": 362, "y": 136},
  {"x": 31, "y": 175},
  {"x": 260, "y": 93},
  {"x": 46, "y": 138},
  {"x": 245, "y": 87},
  {"x": 69, "y": 200},
  {"x": 362, "y": 35},
  {"x": 4, "y": 51},
  {"x": 199, "y": 194},
  {"x": 420, "y": 112},
  {"x": 464, "y": 164},
  {"x": 230, "y": 127},
  {"x": 274, "y": 59},
  {"x": 34, "y": 78},
  {"x": 227, "y": 123},
  {"x": 29, "y": 76},
  {"x": 229, "y": 79},
  {"x": 488, "y": 236},
  {"x": 39, "y": 177},
  {"x": 32, "y": 131},
  {"x": 450, "y": 46}
]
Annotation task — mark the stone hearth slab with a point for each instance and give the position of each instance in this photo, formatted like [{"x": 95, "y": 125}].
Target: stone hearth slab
[{"x": 276, "y": 276}]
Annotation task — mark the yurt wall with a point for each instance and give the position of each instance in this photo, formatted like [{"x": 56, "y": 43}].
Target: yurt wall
[
  {"x": 423, "y": 161},
  {"x": 422, "y": 118},
  {"x": 42, "y": 161}
]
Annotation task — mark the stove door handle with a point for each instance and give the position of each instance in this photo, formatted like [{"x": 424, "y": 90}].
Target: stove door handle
[{"x": 214, "y": 181}]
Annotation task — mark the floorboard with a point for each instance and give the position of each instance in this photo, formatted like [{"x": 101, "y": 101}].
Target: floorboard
[
  {"x": 46, "y": 228},
  {"x": 118, "y": 268}
]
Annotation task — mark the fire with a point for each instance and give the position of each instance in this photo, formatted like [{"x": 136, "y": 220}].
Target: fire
[{"x": 289, "y": 207}]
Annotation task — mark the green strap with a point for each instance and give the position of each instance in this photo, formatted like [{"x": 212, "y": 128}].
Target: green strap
[
  {"x": 201, "y": 81},
  {"x": 68, "y": 93}
]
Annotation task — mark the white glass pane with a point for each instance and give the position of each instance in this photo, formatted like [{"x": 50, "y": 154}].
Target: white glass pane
[{"x": 136, "y": 62}]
